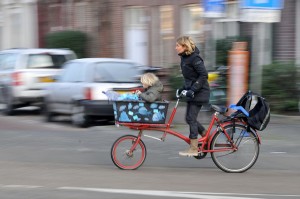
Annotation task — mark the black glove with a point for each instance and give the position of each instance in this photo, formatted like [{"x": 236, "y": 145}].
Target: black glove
[
  {"x": 190, "y": 94},
  {"x": 178, "y": 91}
]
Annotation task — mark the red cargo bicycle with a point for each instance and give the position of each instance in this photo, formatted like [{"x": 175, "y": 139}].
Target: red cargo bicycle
[{"x": 233, "y": 146}]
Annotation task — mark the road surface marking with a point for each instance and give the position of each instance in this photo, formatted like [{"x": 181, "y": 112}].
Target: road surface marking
[
  {"x": 176, "y": 194},
  {"x": 278, "y": 152},
  {"x": 21, "y": 186}
]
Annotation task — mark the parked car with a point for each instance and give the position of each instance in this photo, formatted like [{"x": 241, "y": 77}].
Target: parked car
[
  {"x": 78, "y": 92},
  {"x": 24, "y": 73}
]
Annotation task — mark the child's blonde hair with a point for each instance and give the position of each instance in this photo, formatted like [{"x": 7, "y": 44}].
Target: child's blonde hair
[
  {"x": 149, "y": 79},
  {"x": 187, "y": 42}
]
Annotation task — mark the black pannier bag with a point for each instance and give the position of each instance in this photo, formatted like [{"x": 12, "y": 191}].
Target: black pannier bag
[{"x": 258, "y": 108}]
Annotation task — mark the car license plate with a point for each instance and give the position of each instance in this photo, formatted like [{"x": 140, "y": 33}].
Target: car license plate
[{"x": 46, "y": 79}]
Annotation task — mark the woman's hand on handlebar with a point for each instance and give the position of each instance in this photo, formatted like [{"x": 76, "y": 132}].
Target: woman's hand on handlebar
[{"x": 183, "y": 93}]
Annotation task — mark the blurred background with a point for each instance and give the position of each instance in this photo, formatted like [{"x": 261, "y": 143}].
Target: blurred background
[{"x": 246, "y": 44}]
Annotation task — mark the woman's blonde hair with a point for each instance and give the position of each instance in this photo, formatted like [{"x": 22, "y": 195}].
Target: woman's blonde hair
[
  {"x": 149, "y": 79},
  {"x": 187, "y": 42}
]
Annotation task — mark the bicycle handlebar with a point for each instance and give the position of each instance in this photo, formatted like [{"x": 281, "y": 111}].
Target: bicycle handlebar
[{"x": 180, "y": 95}]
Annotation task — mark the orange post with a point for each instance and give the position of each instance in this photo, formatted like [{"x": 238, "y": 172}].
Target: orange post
[{"x": 238, "y": 72}]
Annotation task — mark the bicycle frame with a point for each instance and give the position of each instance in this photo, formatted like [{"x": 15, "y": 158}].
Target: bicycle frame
[
  {"x": 231, "y": 142},
  {"x": 166, "y": 128}
]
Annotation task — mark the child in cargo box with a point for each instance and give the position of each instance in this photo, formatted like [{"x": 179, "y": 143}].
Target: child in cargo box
[{"x": 153, "y": 88}]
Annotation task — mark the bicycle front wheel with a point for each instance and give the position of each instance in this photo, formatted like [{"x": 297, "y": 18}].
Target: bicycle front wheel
[
  {"x": 121, "y": 155},
  {"x": 229, "y": 159}
]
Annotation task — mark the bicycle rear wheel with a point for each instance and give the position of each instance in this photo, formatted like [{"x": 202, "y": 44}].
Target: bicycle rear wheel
[
  {"x": 235, "y": 161},
  {"x": 121, "y": 156}
]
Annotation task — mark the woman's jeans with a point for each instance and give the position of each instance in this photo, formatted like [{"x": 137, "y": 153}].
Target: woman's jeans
[{"x": 192, "y": 112}]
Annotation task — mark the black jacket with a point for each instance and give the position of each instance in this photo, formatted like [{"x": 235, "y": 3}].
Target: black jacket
[{"x": 195, "y": 76}]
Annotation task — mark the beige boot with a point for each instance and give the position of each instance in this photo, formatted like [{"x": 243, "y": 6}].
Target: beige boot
[{"x": 192, "y": 151}]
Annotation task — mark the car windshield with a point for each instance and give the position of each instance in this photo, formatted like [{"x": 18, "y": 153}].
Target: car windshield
[
  {"x": 116, "y": 72},
  {"x": 46, "y": 61}
]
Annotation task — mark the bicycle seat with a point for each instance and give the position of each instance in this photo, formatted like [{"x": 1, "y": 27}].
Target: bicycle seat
[{"x": 219, "y": 109}]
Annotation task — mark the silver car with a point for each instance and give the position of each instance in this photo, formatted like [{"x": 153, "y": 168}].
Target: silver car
[
  {"x": 79, "y": 90},
  {"x": 24, "y": 73}
]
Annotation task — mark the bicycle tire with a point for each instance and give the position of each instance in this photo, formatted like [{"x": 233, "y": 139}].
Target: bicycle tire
[
  {"x": 120, "y": 156},
  {"x": 240, "y": 160}
]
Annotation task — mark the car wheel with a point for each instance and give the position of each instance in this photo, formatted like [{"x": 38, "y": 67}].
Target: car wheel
[
  {"x": 47, "y": 112},
  {"x": 8, "y": 106},
  {"x": 78, "y": 118}
]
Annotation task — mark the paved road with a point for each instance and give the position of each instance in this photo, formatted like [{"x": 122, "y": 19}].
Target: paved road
[{"x": 55, "y": 160}]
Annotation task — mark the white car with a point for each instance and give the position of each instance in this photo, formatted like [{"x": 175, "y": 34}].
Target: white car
[
  {"x": 24, "y": 73},
  {"x": 79, "y": 89}
]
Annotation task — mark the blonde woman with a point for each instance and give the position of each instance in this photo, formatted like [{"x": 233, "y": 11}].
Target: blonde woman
[
  {"x": 153, "y": 88},
  {"x": 196, "y": 84}
]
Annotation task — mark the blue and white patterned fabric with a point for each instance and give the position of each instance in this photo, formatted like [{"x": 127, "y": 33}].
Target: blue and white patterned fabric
[
  {"x": 115, "y": 96},
  {"x": 140, "y": 111},
  {"x": 128, "y": 96}
]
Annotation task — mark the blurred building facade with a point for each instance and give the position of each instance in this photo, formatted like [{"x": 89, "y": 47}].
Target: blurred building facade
[
  {"x": 18, "y": 24},
  {"x": 145, "y": 31}
]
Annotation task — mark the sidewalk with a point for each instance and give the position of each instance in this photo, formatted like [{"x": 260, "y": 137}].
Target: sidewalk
[{"x": 205, "y": 116}]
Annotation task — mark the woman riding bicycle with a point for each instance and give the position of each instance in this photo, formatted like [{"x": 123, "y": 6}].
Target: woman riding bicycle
[{"x": 196, "y": 86}]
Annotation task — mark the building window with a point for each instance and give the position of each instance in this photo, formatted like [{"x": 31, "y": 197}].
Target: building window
[
  {"x": 16, "y": 30},
  {"x": 136, "y": 41},
  {"x": 81, "y": 16},
  {"x": 192, "y": 20},
  {"x": 135, "y": 17},
  {"x": 166, "y": 20},
  {"x": 166, "y": 35},
  {"x": 54, "y": 15},
  {"x": 192, "y": 24},
  {"x": 233, "y": 10}
]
